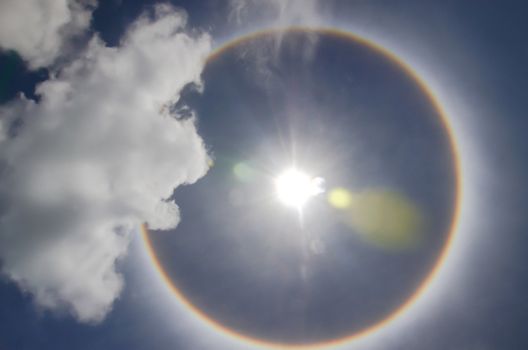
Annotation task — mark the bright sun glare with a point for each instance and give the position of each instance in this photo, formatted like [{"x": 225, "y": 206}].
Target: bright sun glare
[{"x": 294, "y": 187}]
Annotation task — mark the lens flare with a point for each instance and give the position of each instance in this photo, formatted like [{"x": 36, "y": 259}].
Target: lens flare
[
  {"x": 243, "y": 171},
  {"x": 340, "y": 198},
  {"x": 384, "y": 218}
]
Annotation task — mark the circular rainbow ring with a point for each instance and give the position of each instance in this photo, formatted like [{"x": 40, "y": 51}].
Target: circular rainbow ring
[{"x": 426, "y": 281}]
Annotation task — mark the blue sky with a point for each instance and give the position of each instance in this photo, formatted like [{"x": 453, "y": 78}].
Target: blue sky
[{"x": 99, "y": 152}]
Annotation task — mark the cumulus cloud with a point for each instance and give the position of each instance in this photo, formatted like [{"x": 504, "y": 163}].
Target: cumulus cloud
[
  {"x": 97, "y": 155},
  {"x": 39, "y": 29}
]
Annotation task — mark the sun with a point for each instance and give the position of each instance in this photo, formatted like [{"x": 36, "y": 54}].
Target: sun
[{"x": 294, "y": 187}]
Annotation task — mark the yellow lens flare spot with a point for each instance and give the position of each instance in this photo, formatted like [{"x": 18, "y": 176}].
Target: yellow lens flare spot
[
  {"x": 384, "y": 218},
  {"x": 340, "y": 198},
  {"x": 294, "y": 187}
]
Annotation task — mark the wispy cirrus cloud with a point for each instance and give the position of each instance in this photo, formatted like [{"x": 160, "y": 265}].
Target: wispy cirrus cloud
[
  {"x": 279, "y": 13},
  {"x": 279, "y": 16}
]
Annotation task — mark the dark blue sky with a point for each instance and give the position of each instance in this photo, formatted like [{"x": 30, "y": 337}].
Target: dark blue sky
[{"x": 476, "y": 53}]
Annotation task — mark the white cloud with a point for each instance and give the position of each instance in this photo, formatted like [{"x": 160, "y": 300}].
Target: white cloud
[
  {"x": 94, "y": 158},
  {"x": 280, "y": 13},
  {"x": 38, "y": 29}
]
